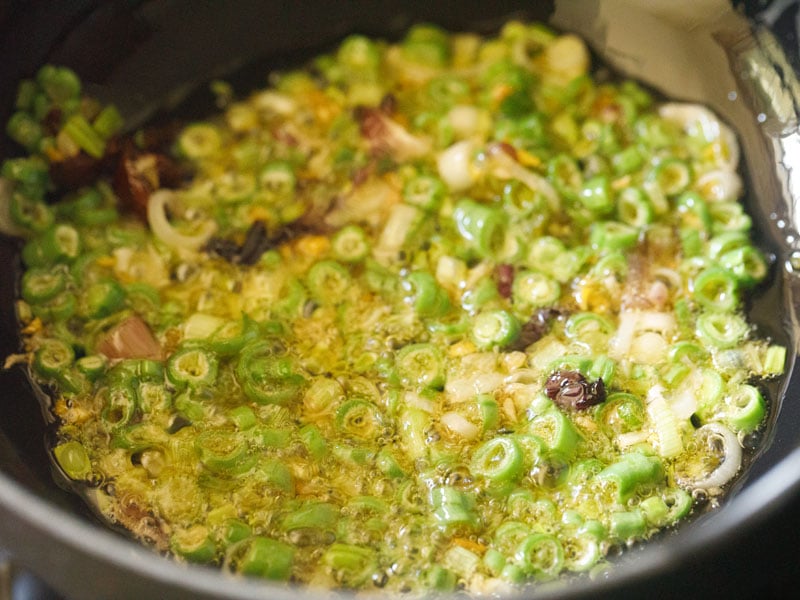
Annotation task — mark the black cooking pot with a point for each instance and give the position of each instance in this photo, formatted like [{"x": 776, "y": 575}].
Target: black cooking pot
[{"x": 151, "y": 56}]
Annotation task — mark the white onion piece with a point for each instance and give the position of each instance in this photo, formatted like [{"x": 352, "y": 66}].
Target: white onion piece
[
  {"x": 459, "y": 390},
  {"x": 648, "y": 347},
  {"x": 506, "y": 167},
  {"x": 719, "y": 186},
  {"x": 631, "y": 438},
  {"x": 669, "y": 276},
  {"x": 368, "y": 202},
  {"x": 684, "y": 403},
  {"x": 730, "y": 464},
  {"x": 400, "y": 221},
  {"x": 460, "y": 425},
  {"x": 694, "y": 118},
  {"x": 456, "y": 166},
  {"x": 620, "y": 344},
  {"x": 524, "y": 376},
  {"x": 416, "y": 401},
  {"x": 653, "y": 320},
  {"x": 664, "y": 424},
  {"x": 7, "y": 225},
  {"x": 464, "y": 119},
  {"x": 275, "y": 102},
  {"x": 164, "y": 231},
  {"x": 632, "y": 322}
]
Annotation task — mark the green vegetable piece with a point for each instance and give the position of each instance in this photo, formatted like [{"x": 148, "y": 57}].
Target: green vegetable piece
[
  {"x": 494, "y": 329},
  {"x": 747, "y": 264},
  {"x": 73, "y": 460},
  {"x": 108, "y": 122},
  {"x": 92, "y": 366},
  {"x": 235, "y": 530},
  {"x": 596, "y": 195},
  {"x": 267, "y": 378},
  {"x": 199, "y": 141},
  {"x": 425, "y": 191},
  {"x": 672, "y": 176},
  {"x": 453, "y": 508},
  {"x": 774, "y": 360},
  {"x": 25, "y": 130},
  {"x": 314, "y": 441},
  {"x": 439, "y": 579},
  {"x": 482, "y": 226},
  {"x": 428, "y": 297},
  {"x": 634, "y": 208},
  {"x": 276, "y": 474},
  {"x": 726, "y": 242},
  {"x": 722, "y": 330},
  {"x": 628, "y": 525},
  {"x": 359, "y": 419},
  {"x": 59, "y": 83},
  {"x": 621, "y": 413},
  {"x": 224, "y": 451},
  {"x": 192, "y": 366},
  {"x": 744, "y": 408},
  {"x": 352, "y": 565},
  {"x": 328, "y": 281},
  {"x": 85, "y": 137},
  {"x": 58, "y": 244},
  {"x": 243, "y": 417},
  {"x": 41, "y": 285},
  {"x": 556, "y": 430},
  {"x": 194, "y": 544},
  {"x": 613, "y": 235},
  {"x": 312, "y": 515},
  {"x": 263, "y": 557},
  {"x": 29, "y": 213},
  {"x": 350, "y": 244},
  {"x": 388, "y": 465},
  {"x": 630, "y": 472},
  {"x": 420, "y": 366},
  {"x": 667, "y": 508},
  {"x": 716, "y": 289},
  {"x": 427, "y": 44},
  {"x": 52, "y": 358},
  {"x": 359, "y": 55},
  {"x": 540, "y": 555},
  {"x": 120, "y": 405},
  {"x": 566, "y": 177},
  {"x": 231, "y": 337},
  {"x": 532, "y": 290},
  {"x": 582, "y": 550},
  {"x": 102, "y": 298},
  {"x": 498, "y": 460}
]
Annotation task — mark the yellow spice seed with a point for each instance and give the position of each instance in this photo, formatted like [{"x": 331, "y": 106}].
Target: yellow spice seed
[
  {"x": 527, "y": 159},
  {"x": 33, "y": 327},
  {"x": 312, "y": 246},
  {"x": 105, "y": 261},
  {"x": 462, "y": 348}
]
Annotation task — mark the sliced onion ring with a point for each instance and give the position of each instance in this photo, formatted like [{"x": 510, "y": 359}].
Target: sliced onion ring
[
  {"x": 730, "y": 464},
  {"x": 163, "y": 229}
]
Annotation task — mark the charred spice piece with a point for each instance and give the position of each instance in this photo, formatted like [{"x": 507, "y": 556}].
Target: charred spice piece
[
  {"x": 534, "y": 329},
  {"x": 570, "y": 389}
]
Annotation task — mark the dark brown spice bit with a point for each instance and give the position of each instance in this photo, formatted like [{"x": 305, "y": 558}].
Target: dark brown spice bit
[
  {"x": 388, "y": 104},
  {"x": 52, "y": 121},
  {"x": 570, "y": 389},
  {"x": 255, "y": 244},
  {"x": 504, "y": 278},
  {"x": 535, "y": 329},
  {"x": 75, "y": 171}
]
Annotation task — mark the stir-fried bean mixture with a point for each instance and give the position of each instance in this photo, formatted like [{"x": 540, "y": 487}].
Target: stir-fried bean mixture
[{"x": 448, "y": 313}]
